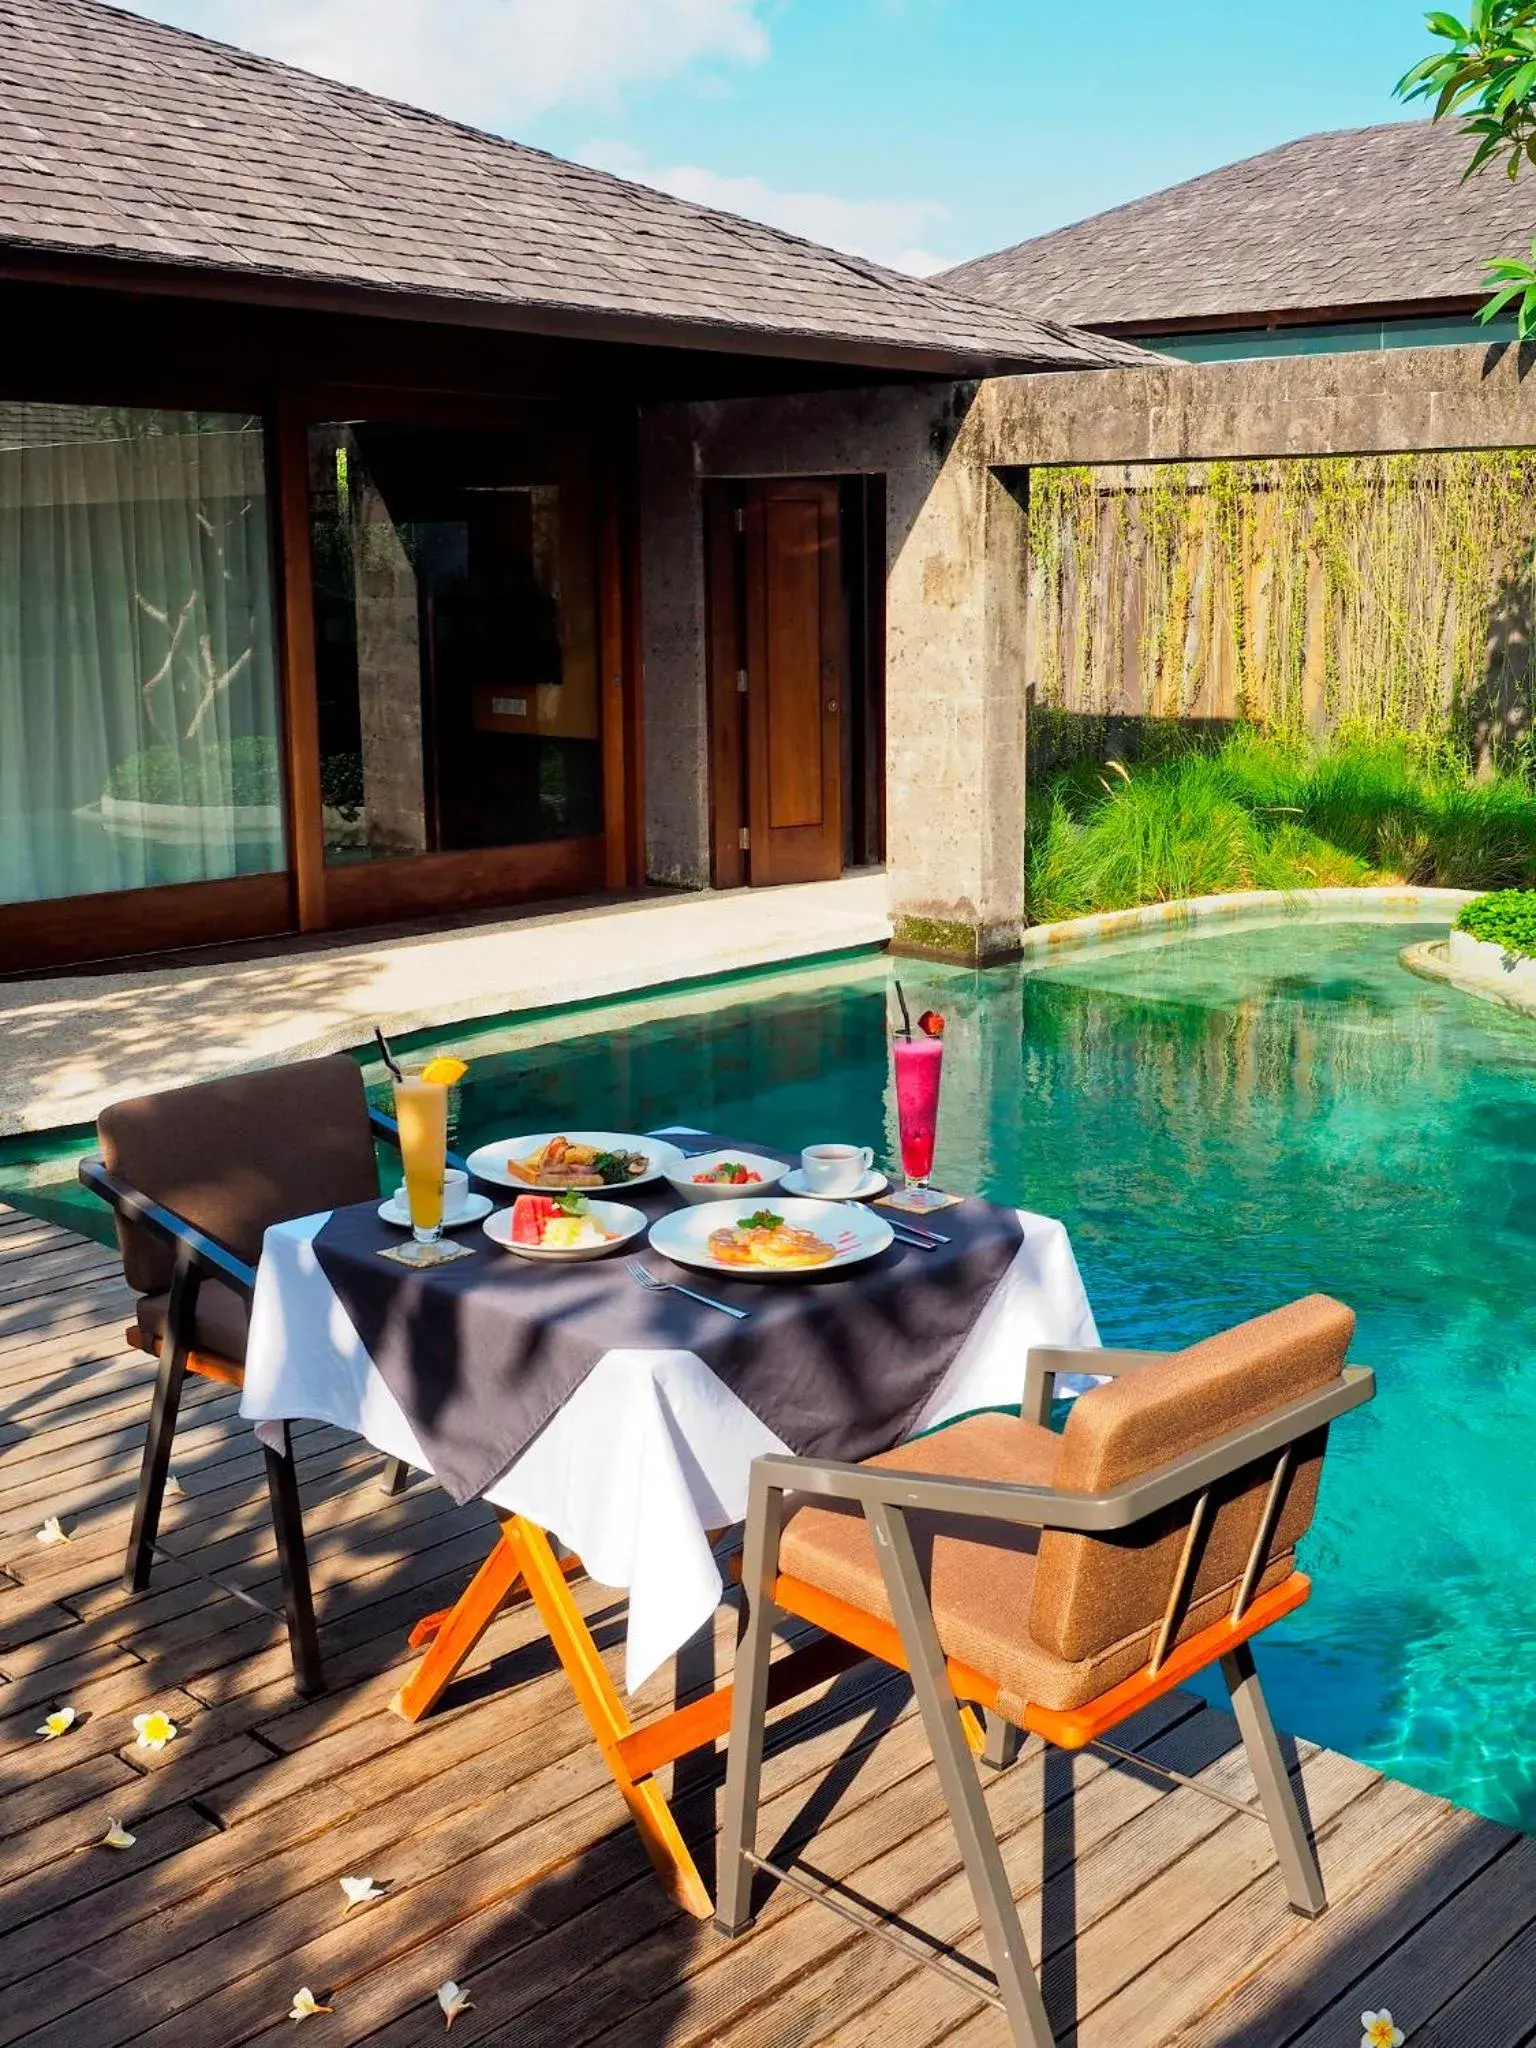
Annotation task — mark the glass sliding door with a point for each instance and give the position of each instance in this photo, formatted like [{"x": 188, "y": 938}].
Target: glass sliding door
[
  {"x": 138, "y": 688},
  {"x": 456, "y": 654}
]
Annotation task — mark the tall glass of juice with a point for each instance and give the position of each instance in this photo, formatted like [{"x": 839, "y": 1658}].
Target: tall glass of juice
[
  {"x": 919, "y": 1063},
  {"x": 421, "y": 1110}
]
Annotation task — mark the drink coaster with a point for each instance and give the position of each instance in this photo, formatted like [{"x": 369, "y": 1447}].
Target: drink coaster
[
  {"x": 918, "y": 1201},
  {"x": 443, "y": 1253}
]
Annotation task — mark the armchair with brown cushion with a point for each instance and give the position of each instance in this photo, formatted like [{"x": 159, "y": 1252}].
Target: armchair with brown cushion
[
  {"x": 1057, "y": 1583},
  {"x": 195, "y": 1176}
]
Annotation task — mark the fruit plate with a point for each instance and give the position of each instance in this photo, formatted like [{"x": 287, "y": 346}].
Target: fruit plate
[
  {"x": 859, "y": 1235},
  {"x": 489, "y": 1162},
  {"x": 622, "y": 1223},
  {"x": 769, "y": 1173}
]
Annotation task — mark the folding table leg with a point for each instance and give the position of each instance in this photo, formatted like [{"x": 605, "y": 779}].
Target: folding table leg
[
  {"x": 463, "y": 1626},
  {"x": 600, "y": 1702}
]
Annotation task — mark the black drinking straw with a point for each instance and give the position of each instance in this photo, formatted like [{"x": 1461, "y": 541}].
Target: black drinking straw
[
  {"x": 389, "y": 1059},
  {"x": 906, "y": 1014}
]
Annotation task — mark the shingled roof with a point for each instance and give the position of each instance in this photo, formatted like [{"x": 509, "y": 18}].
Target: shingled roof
[
  {"x": 1359, "y": 218},
  {"x": 127, "y": 141}
]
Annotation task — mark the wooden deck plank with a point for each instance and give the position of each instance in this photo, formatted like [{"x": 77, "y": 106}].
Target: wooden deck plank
[{"x": 509, "y": 1861}]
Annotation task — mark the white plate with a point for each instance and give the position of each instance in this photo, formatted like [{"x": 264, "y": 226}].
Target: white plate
[
  {"x": 475, "y": 1209},
  {"x": 624, "y": 1223},
  {"x": 769, "y": 1173},
  {"x": 684, "y": 1235},
  {"x": 488, "y": 1162},
  {"x": 874, "y": 1183}
]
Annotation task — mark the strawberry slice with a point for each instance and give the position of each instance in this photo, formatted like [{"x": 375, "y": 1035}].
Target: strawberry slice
[{"x": 931, "y": 1024}]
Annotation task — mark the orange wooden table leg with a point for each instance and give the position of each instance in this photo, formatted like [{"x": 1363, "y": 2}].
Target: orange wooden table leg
[
  {"x": 458, "y": 1632},
  {"x": 600, "y": 1702}
]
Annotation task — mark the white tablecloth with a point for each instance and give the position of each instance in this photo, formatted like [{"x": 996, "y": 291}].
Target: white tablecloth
[{"x": 652, "y": 1451}]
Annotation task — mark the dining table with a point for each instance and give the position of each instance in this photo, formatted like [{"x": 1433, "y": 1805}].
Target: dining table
[{"x": 612, "y": 1425}]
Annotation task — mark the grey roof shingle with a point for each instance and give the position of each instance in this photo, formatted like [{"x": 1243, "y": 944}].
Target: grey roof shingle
[
  {"x": 124, "y": 139},
  {"x": 1355, "y": 218}
]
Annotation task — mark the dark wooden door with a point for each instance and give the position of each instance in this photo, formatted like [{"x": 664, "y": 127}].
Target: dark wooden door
[{"x": 794, "y": 664}]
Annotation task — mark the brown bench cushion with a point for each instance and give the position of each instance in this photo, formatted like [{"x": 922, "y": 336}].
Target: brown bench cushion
[{"x": 220, "y": 1327}]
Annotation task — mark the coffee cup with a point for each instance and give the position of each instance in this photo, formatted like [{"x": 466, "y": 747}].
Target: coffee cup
[
  {"x": 455, "y": 1193},
  {"x": 835, "y": 1169}
]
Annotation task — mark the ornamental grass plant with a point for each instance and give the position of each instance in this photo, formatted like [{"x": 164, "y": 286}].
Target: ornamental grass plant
[{"x": 1258, "y": 812}]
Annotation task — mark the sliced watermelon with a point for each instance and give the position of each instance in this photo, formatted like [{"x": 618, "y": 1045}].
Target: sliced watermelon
[{"x": 530, "y": 1213}]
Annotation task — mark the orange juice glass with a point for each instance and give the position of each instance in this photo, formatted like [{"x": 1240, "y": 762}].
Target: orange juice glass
[{"x": 421, "y": 1110}]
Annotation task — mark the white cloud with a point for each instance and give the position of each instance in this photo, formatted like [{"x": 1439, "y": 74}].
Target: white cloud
[
  {"x": 885, "y": 230},
  {"x": 494, "y": 62}
]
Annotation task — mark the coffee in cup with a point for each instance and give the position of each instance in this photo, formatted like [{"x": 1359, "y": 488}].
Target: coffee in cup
[{"x": 835, "y": 1169}]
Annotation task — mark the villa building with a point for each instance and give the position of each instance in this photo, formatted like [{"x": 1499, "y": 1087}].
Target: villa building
[
  {"x": 352, "y": 565},
  {"x": 1361, "y": 239}
]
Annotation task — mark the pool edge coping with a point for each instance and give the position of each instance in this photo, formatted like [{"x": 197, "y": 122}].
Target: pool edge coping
[{"x": 1101, "y": 927}]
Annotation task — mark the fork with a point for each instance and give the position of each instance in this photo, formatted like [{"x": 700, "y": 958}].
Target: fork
[{"x": 657, "y": 1285}]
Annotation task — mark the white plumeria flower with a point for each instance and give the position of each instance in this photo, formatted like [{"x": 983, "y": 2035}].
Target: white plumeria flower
[
  {"x": 454, "y": 1999},
  {"x": 52, "y": 1532},
  {"x": 174, "y": 1490},
  {"x": 1380, "y": 2031},
  {"x": 360, "y": 1891},
  {"x": 305, "y": 2005},
  {"x": 58, "y": 1723},
  {"x": 117, "y": 1836},
  {"x": 154, "y": 1730}
]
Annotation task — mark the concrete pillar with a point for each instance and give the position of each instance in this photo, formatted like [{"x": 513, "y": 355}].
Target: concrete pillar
[
  {"x": 388, "y": 680},
  {"x": 675, "y": 698},
  {"x": 955, "y": 716}
]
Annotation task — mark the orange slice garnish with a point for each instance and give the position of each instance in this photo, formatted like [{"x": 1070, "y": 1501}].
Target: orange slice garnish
[{"x": 444, "y": 1071}]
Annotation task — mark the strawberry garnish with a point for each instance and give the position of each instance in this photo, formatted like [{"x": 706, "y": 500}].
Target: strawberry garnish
[{"x": 931, "y": 1024}]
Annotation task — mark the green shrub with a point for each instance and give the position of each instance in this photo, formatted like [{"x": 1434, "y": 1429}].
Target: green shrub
[
  {"x": 1505, "y": 918},
  {"x": 242, "y": 771},
  {"x": 1264, "y": 813}
]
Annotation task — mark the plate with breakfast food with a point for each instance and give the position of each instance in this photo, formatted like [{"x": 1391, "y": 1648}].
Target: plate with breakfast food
[
  {"x": 725, "y": 1176},
  {"x": 564, "y": 1227},
  {"x": 593, "y": 1162},
  {"x": 777, "y": 1237}
]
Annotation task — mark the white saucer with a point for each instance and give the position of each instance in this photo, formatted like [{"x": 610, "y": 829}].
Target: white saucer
[
  {"x": 475, "y": 1209},
  {"x": 874, "y": 1183}
]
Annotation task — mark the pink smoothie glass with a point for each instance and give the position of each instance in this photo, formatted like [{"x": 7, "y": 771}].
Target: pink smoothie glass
[{"x": 919, "y": 1063}]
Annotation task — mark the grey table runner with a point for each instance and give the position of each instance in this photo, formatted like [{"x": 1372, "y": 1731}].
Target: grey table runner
[{"x": 482, "y": 1352}]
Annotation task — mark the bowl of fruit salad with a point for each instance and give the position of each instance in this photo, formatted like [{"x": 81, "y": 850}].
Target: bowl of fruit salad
[
  {"x": 563, "y": 1227},
  {"x": 718, "y": 1176}
]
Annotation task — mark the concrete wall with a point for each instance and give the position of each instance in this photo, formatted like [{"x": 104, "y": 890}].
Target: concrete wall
[
  {"x": 954, "y": 697},
  {"x": 953, "y": 457}
]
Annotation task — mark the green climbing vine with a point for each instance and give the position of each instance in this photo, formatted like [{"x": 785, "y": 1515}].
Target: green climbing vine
[{"x": 1389, "y": 594}]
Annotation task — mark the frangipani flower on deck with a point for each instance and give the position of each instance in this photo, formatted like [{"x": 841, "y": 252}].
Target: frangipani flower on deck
[
  {"x": 360, "y": 1891},
  {"x": 154, "y": 1730},
  {"x": 58, "y": 1723},
  {"x": 52, "y": 1532},
  {"x": 454, "y": 1999},
  {"x": 1380, "y": 2032},
  {"x": 117, "y": 1836},
  {"x": 305, "y": 2005}
]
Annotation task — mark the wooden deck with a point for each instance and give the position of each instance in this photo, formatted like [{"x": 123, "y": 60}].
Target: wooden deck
[{"x": 507, "y": 1857}]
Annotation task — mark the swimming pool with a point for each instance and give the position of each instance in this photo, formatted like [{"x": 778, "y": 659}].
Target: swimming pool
[{"x": 1225, "y": 1119}]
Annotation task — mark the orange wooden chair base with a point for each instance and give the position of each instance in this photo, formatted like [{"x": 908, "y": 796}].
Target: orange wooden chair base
[
  {"x": 1071, "y": 1727},
  {"x": 208, "y": 1365}
]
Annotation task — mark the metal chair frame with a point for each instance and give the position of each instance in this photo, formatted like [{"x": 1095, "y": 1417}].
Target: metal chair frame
[
  {"x": 887, "y": 1497},
  {"x": 199, "y": 1257}
]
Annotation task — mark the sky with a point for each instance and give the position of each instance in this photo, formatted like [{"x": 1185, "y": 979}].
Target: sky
[{"x": 916, "y": 132}]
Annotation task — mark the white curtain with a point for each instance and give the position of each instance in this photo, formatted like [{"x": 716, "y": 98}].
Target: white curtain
[{"x": 138, "y": 694}]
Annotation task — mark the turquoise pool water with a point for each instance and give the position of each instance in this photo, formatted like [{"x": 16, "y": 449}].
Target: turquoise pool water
[{"x": 1224, "y": 1120}]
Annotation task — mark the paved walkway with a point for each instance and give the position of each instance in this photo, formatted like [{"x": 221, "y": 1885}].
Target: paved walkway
[{"x": 71, "y": 1043}]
